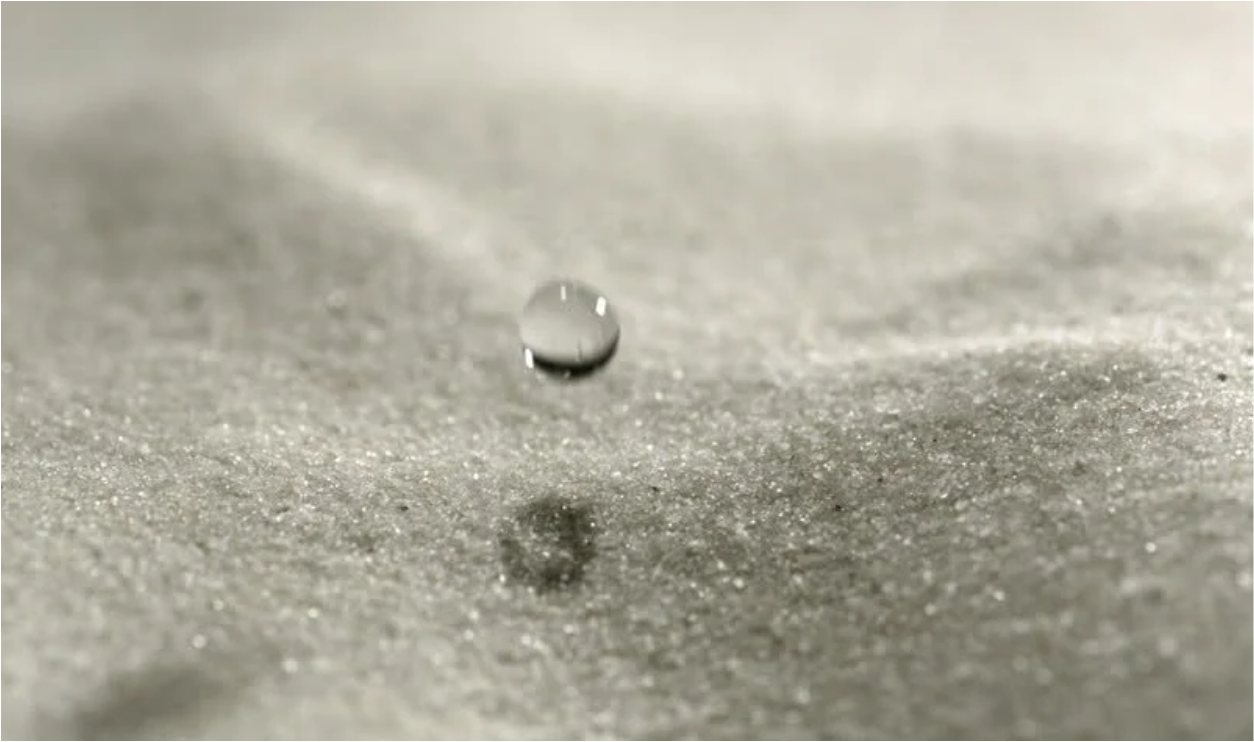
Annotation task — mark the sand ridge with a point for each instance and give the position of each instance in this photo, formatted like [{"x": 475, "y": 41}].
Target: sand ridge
[{"x": 932, "y": 414}]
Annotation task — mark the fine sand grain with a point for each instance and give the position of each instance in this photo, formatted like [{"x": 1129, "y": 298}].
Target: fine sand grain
[{"x": 931, "y": 415}]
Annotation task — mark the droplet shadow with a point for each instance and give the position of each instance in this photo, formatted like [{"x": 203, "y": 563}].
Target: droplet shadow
[
  {"x": 569, "y": 372},
  {"x": 547, "y": 543},
  {"x": 147, "y": 703},
  {"x": 174, "y": 696}
]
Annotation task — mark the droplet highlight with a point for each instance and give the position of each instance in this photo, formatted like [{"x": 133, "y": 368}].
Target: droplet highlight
[{"x": 568, "y": 330}]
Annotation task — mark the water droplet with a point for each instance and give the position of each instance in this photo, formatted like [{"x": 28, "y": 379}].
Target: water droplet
[
  {"x": 199, "y": 641},
  {"x": 1151, "y": 547},
  {"x": 568, "y": 329},
  {"x": 290, "y": 665}
]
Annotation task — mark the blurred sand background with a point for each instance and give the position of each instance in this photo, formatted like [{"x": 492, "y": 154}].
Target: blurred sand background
[{"x": 931, "y": 418}]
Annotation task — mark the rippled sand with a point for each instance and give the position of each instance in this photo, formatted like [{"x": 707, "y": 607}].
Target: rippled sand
[{"x": 931, "y": 416}]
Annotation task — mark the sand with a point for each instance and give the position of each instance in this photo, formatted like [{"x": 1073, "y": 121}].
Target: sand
[{"x": 931, "y": 415}]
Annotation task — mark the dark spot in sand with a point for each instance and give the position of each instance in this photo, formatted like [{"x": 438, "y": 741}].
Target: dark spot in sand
[
  {"x": 150, "y": 703},
  {"x": 365, "y": 542},
  {"x": 1221, "y": 376},
  {"x": 228, "y": 488},
  {"x": 403, "y": 508},
  {"x": 654, "y": 488},
  {"x": 192, "y": 300},
  {"x": 548, "y": 543},
  {"x": 337, "y": 305}
]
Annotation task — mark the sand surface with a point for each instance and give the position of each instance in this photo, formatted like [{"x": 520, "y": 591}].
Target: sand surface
[{"x": 931, "y": 416}]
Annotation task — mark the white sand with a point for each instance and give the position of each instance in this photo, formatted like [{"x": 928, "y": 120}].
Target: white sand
[{"x": 917, "y": 426}]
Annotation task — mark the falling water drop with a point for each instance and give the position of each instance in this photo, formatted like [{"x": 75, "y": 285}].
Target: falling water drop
[{"x": 568, "y": 330}]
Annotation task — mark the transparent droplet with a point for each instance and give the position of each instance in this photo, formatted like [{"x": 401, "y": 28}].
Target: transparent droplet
[{"x": 568, "y": 329}]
